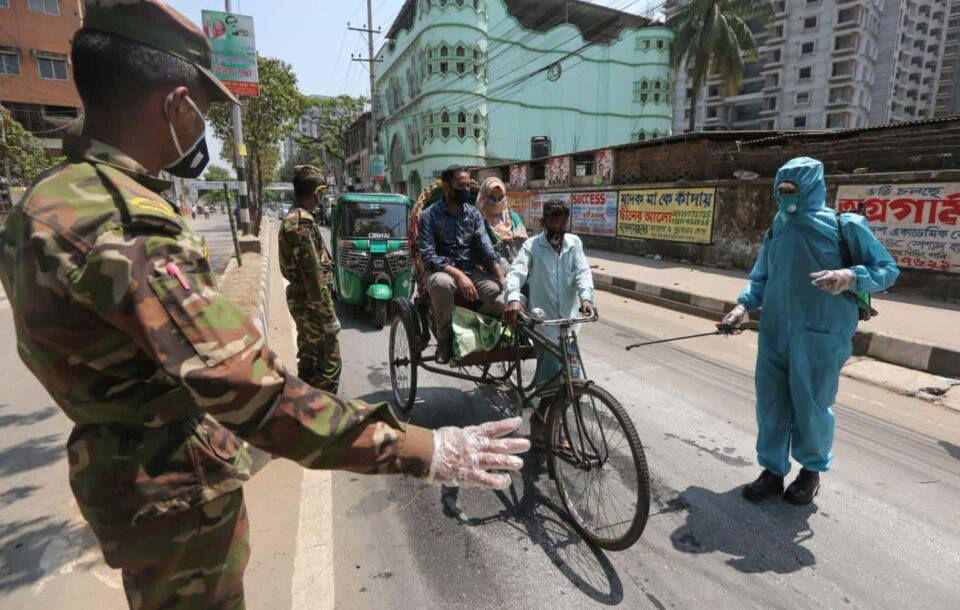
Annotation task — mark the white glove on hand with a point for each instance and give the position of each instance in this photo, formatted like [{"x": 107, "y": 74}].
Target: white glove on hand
[
  {"x": 834, "y": 282},
  {"x": 737, "y": 318},
  {"x": 462, "y": 456}
]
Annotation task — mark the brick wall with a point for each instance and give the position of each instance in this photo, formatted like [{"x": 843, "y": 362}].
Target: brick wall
[{"x": 26, "y": 30}]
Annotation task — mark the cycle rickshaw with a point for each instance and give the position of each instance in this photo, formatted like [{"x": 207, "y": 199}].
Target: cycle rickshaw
[{"x": 592, "y": 449}]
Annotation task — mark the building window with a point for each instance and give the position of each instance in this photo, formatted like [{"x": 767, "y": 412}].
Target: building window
[
  {"x": 775, "y": 56},
  {"x": 461, "y": 52},
  {"x": 644, "y": 97},
  {"x": 805, "y": 73},
  {"x": 476, "y": 71},
  {"x": 803, "y": 99},
  {"x": 444, "y": 51},
  {"x": 810, "y": 23},
  {"x": 645, "y": 45},
  {"x": 55, "y": 69},
  {"x": 800, "y": 122},
  {"x": 660, "y": 44},
  {"x": 445, "y": 117},
  {"x": 807, "y": 48},
  {"x": 444, "y": 67},
  {"x": 461, "y": 67},
  {"x": 9, "y": 63},
  {"x": 713, "y": 91},
  {"x": 429, "y": 69},
  {"x": 462, "y": 132},
  {"x": 445, "y": 132},
  {"x": 4, "y": 3},
  {"x": 656, "y": 97},
  {"x": 48, "y": 7},
  {"x": 476, "y": 119},
  {"x": 656, "y": 84}
]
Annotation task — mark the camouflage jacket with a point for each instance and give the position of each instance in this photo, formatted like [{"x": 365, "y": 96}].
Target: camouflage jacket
[
  {"x": 304, "y": 260},
  {"x": 117, "y": 314}
]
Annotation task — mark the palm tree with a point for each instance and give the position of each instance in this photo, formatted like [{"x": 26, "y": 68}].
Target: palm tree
[{"x": 714, "y": 36}]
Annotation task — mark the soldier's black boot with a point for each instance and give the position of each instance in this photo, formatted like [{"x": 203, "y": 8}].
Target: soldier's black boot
[
  {"x": 804, "y": 488},
  {"x": 766, "y": 485}
]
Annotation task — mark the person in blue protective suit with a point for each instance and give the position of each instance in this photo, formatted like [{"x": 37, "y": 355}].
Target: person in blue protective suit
[{"x": 809, "y": 317}]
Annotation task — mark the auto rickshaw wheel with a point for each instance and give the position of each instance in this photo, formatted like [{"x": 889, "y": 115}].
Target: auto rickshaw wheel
[
  {"x": 381, "y": 311},
  {"x": 404, "y": 355}
]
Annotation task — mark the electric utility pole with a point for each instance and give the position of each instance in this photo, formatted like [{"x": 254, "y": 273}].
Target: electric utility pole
[
  {"x": 241, "y": 164},
  {"x": 372, "y": 61}
]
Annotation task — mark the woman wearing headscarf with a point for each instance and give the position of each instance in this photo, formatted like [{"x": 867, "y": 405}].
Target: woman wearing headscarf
[{"x": 504, "y": 226}]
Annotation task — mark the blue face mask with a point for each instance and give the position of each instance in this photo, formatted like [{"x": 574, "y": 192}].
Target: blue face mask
[{"x": 789, "y": 204}]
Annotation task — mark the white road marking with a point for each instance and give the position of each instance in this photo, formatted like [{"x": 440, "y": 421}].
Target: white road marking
[{"x": 313, "y": 579}]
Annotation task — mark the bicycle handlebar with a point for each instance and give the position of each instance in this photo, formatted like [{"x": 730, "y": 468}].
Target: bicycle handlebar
[{"x": 533, "y": 321}]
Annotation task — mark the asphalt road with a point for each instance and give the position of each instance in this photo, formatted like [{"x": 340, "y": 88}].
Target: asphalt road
[{"x": 881, "y": 534}]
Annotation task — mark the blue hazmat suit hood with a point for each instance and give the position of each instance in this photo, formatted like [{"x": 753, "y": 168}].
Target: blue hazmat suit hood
[{"x": 806, "y": 173}]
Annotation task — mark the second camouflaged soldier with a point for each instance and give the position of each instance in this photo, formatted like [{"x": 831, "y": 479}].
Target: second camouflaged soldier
[
  {"x": 118, "y": 315},
  {"x": 306, "y": 264}
]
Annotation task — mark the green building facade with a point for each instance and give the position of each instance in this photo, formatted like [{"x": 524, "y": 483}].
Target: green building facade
[{"x": 472, "y": 82}]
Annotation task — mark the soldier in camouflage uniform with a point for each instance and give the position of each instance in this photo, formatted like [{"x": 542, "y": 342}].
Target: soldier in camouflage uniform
[
  {"x": 117, "y": 314},
  {"x": 306, "y": 264}
]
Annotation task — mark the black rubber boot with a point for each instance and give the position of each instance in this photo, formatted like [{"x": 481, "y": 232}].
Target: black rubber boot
[
  {"x": 766, "y": 485},
  {"x": 804, "y": 488}
]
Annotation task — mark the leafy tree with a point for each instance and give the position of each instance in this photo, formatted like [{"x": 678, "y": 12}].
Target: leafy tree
[
  {"x": 266, "y": 120},
  {"x": 713, "y": 36},
  {"x": 331, "y": 116},
  {"x": 24, "y": 151},
  {"x": 215, "y": 173}
]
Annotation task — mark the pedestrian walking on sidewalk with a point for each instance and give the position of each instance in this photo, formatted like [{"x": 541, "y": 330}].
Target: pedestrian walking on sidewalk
[
  {"x": 810, "y": 313},
  {"x": 117, "y": 314},
  {"x": 306, "y": 264}
]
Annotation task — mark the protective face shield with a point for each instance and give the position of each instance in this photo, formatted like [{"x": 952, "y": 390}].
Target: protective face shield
[{"x": 191, "y": 162}]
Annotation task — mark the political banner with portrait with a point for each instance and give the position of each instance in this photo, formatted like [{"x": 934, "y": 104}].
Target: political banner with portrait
[
  {"x": 916, "y": 223},
  {"x": 603, "y": 166},
  {"x": 234, "y": 51},
  {"x": 667, "y": 214},
  {"x": 518, "y": 177},
  {"x": 594, "y": 213},
  {"x": 558, "y": 171}
]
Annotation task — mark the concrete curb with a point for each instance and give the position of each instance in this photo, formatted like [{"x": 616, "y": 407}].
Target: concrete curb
[
  {"x": 262, "y": 319},
  {"x": 910, "y": 353}
]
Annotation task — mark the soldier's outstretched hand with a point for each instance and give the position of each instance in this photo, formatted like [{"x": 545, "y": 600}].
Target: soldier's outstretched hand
[{"x": 463, "y": 456}]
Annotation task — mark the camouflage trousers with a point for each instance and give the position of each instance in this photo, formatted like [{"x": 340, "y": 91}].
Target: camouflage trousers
[
  {"x": 190, "y": 560},
  {"x": 318, "y": 349}
]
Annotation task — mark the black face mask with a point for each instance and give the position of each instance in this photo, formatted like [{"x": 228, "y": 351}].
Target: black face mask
[
  {"x": 192, "y": 161},
  {"x": 463, "y": 196},
  {"x": 555, "y": 237}
]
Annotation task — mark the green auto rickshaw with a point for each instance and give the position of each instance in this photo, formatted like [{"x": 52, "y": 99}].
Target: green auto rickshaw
[{"x": 371, "y": 258}]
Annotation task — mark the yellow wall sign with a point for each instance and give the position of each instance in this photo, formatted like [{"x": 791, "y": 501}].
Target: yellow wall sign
[{"x": 668, "y": 214}]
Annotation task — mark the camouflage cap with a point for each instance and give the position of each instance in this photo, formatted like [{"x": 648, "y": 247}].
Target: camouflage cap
[
  {"x": 153, "y": 23},
  {"x": 311, "y": 174}
]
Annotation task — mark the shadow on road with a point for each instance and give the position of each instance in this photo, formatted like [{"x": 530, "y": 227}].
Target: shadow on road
[
  {"x": 765, "y": 537},
  {"x": 951, "y": 449},
  {"x": 525, "y": 508},
  {"x": 27, "y": 419},
  {"x": 15, "y": 494},
  {"x": 355, "y": 317},
  {"x": 30, "y": 454},
  {"x": 31, "y": 549}
]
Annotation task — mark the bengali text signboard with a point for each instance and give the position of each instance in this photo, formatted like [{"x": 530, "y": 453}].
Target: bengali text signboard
[
  {"x": 520, "y": 203},
  {"x": 594, "y": 213},
  {"x": 536, "y": 208},
  {"x": 234, "y": 51},
  {"x": 919, "y": 224},
  {"x": 667, "y": 214}
]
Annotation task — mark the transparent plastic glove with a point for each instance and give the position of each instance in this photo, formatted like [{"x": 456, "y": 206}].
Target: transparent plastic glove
[
  {"x": 834, "y": 282},
  {"x": 462, "y": 456},
  {"x": 737, "y": 317}
]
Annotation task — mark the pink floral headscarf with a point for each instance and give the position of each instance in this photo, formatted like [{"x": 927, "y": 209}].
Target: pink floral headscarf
[{"x": 497, "y": 213}]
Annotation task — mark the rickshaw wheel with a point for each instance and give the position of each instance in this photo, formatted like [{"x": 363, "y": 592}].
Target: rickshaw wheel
[
  {"x": 404, "y": 356},
  {"x": 381, "y": 310}
]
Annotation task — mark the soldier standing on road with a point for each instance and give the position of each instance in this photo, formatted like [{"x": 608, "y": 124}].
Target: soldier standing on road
[
  {"x": 307, "y": 265},
  {"x": 117, "y": 314}
]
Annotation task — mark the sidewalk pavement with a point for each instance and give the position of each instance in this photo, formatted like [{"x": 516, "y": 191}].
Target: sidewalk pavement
[{"x": 919, "y": 334}]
